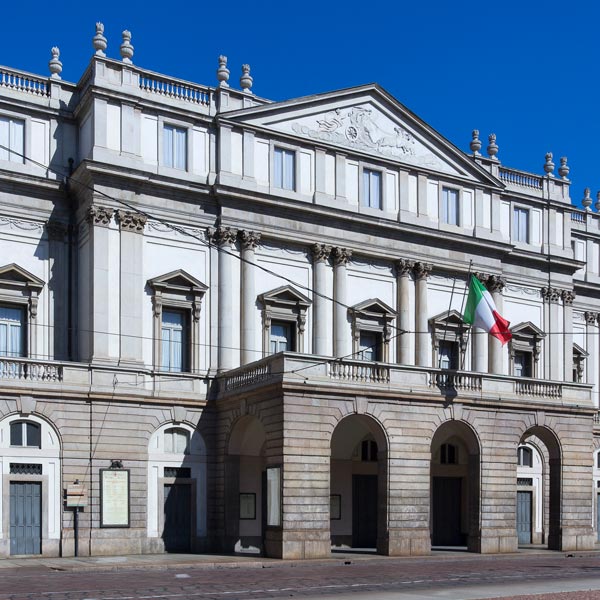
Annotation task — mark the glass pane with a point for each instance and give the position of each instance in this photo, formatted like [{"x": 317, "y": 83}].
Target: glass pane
[
  {"x": 33, "y": 435},
  {"x": 368, "y": 346},
  {"x": 168, "y": 146},
  {"x": 4, "y": 138},
  {"x": 366, "y": 188},
  {"x": 375, "y": 198},
  {"x": 278, "y": 168},
  {"x": 176, "y": 350},
  {"x": 16, "y": 434},
  {"x": 179, "y": 161},
  {"x": 182, "y": 441},
  {"x": 169, "y": 440},
  {"x": 165, "y": 349},
  {"x": 16, "y": 141},
  {"x": 3, "y": 339},
  {"x": 288, "y": 170}
]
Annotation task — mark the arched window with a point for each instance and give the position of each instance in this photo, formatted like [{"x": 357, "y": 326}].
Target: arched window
[
  {"x": 177, "y": 441},
  {"x": 524, "y": 456},
  {"x": 25, "y": 433},
  {"x": 368, "y": 451},
  {"x": 448, "y": 454}
]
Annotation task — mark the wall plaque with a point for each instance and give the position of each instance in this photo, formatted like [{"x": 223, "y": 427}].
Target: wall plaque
[{"x": 114, "y": 497}]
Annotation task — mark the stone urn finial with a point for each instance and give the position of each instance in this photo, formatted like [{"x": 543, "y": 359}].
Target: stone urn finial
[
  {"x": 126, "y": 47},
  {"x": 223, "y": 72},
  {"x": 597, "y": 205},
  {"x": 54, "y": 64},
  {"x": 475, "y": 143},
  {"x": 587, "y": 201},
  {"x": 492, "y": 148},
  {"x": 246, "y": 79},
  {"x": 549, "y": 165},
  {"x": 564, "y": 168},
  {"x": 99, "y": 41}
]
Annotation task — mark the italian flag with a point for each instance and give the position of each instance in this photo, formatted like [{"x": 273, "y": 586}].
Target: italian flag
[{"x": 481, "y": 312}]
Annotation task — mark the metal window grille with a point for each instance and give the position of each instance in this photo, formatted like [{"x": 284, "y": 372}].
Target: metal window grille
[
  {"x": 184, "y": 472},
  {"x": 25, "y": 469},
  {"x": 524, "y": 481}
]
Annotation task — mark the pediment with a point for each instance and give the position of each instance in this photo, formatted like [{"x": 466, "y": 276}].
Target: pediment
[
  {"x": 373, "y": 306},
  {"x": 366, "y": 120},
  {"x": 177, "y": 280},
  {"x": 527, "y": 329},
  {"x": 448, "y": 317},
  {"x": 13, "y": 274},
  {"x": 284, "y": 295},
  {"x": 577, "y": 349}
]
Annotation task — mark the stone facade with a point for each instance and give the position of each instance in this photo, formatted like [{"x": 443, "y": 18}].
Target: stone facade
[{"x": 252, "y": 312}]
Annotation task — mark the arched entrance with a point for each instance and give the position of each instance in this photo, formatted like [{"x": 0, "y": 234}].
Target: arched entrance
[
  {"x": 548, "y": 449},
  {"x": 530, "y": 494},
  {"x": 358, "y": 484},
  {"x": 455, "y": 485},
  {"x": 246, "y": 488}
]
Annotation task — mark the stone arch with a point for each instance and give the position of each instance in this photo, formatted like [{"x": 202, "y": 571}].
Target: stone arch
[
  {"x": 358, "y": 483},
  {"x": 455, "y": 486},
  {"x": 177, "y": 477}
]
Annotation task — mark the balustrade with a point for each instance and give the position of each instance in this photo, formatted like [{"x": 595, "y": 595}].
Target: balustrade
[
  {"x": 21, "y": 369},
  {"x": 23, "y": 82},
  {"x": 172, "y": 88},
  {"x": 521, "y": 178}
]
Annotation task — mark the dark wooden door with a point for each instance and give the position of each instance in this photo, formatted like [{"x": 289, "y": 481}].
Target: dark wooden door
[
  {"x": 446, "y": 508},
  {"x": 25, "y": 517},
  {"x": 524, "y": 517},
  {"x": 178, "y": 517},
  {"x": 364, "y": 511}
]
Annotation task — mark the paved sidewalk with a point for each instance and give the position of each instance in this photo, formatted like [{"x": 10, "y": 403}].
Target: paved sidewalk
[{"x": 220, "y": 561}]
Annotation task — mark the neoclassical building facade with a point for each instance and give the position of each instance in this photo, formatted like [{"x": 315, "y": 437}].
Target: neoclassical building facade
[{"x": 235, "y": 325}]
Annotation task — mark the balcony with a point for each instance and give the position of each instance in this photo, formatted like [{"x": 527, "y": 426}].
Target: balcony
[{"x": 290, "y": 369}]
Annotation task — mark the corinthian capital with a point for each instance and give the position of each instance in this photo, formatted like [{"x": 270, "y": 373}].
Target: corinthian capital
[
  {"x": 249, "y": 239},
  {"x": 320, "y": 252},
  {"x": 404, "y": 267},
  {"x": 568, "y": 297},
  {"x": 591, "y": 318},
  {"x": 341, "y": 256},
  {"x": 98, "y": 215},
  {"x": 550, "y": 294},
  {"x": 221, "y": 236},
  {"x": 131, "y": 221},
  {"x": 495, "y": 283},
  {"x": 422, "y": 270}
]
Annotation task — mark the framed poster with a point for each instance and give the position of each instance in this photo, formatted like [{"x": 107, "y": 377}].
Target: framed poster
[
  {"x": 248, "y": 506},
  {"x": 335, "y": 507},
  {"x": 273, "y": 496},
  {"x": 114, "y": 497}
]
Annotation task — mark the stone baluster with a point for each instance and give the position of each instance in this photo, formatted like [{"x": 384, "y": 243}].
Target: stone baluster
[
  {"x": 404, "y": 307},
  {"x": 321, "y": 333},
  {"x": 592, "y": 345},
  {"x": 422, "y": 339},
  {"x": 250, "y": 352},
  {"x": 495, "y": 285},
  {"x": 568, "y": 296},
  {"x": 553, "y": 348},
  {"x": 341, "y": 327},
  {"x": 224, "y": 239}
]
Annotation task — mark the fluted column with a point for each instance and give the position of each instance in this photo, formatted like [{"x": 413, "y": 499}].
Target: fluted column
[
  {"x": 495, "y": 285},
  {"x": 553, "y": 347},
  {"x": 403, "y": 270},
  {"x": 591, "y": 370},
  {"x": 422, "y": 338},
  {"x": 321, "y": 334},
  {"x": 341, "y": 327},
  {"x": 224, "y": 238},
  {"x": 250, "y": 350},
  {"x": 568, "y": 296},
  {"x": 479, "y": 340}
]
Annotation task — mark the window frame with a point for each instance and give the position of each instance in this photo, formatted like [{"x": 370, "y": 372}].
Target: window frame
[
  {"x": 449, "y": 454},
  {"x": 286, "y": 151},
  {"x": 185, "y": 333},
  {"x": 290, "y": 338},
  {"x": 366, "y": 202},
  {"x": 372, "y": 316},
  {"x": 178, "y": 291},
  {"x": 526, "y": 338},
  {"x": 19, "y": 153},
  {"x": 515, "y": 229},
  {"x": 9, "y": 323},
  {"x": 443, "y": 210},
  {"x": 177, "y": 430},
  {"x": 25, "y": 424},
  {"x": 175, "y": 128},
  {"x": 521, "y": 452},
  {"x": 449, "y": 327}
]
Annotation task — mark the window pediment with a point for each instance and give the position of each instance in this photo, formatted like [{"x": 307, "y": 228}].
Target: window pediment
[
  {"x": 286, "y": 295},
  {"x": 373, "y": 308},
  {"x": 178, "y": 281},
  {"x": 527, "y": 331},
  {"x": 15, "y": 276},
  {"x": 579, "y": 351},
  {"x": 449, "y": 318}
]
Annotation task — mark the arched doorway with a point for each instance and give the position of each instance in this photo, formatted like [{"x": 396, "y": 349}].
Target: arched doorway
[
  {"x": 545, "y": 442},
  {"x": 455, "y": 485},
  {"x": 358, "y": 484},
  {"x": 530, "y": 494},
  {"x": 246, "y": 506},
  {"x": 30, "y": 486},
  {"x": 177, "y": 489}
]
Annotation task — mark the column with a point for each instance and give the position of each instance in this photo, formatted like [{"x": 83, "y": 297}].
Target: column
[
  {"x": 591, "y": 334},
  {"x": 224, "y": 238},
  {"x": 321, "y": 333},
  {"x": 553, "y": 368},
  {"x": 59, "y": 288},
  {"x": 403, "y": 270},
  {"x": 132, "y": 287},
  {"x": 250, "y": 351},
  {"x": 341, "y": 326},
  {"x": 422, "y": 338},
  {"x": 495, "y": 285},
  {"x": 479, "y": 341},
  {"x": 568, "y": 296}
]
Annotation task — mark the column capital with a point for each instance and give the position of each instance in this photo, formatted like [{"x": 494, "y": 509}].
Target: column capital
[
  {"x": 341, "y": 256},
  {"x": 422, "y": 270},
  {"x": 495, "y": 283},
  {"x": 221, "y": 236},
  {"x": 320, "y": 252},
  {"x": 568, "y": 296},
  {"x": 131, "y": 221},
  {"x": 56, "y": 230},
  {"x": 249, "y": 239},
  {"x": 404, "y": 267},
  {"x": 550, "y": 294},
  {"x": 99, "y": 215},
  {"x": 591, "y": 318}
]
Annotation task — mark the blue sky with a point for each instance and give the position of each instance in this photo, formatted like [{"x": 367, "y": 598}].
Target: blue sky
[{"x": 527, "y": 71}]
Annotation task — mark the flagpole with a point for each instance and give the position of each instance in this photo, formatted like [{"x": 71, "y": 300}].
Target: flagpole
[{"x": 462, "y": 312}]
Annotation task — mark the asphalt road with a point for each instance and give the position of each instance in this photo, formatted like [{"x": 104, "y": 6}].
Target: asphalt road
[{"x": 377, "y": 579}]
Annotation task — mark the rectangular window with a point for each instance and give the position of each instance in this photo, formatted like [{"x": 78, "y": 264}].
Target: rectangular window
[
  {"x": 448, "y": 355},
  {"x": 450, "y": 206},
  {"x": 174, "y": 147},
  {"x": 284, "y": 166},
  {"x": 12, "y": 331},
  {"x": 522, "y": 364},
  {"x": 281, "y": 337},
  {"x": 173, "y": 341},
  {"x": 12, "y": 146},
  {"x": 371, "y": 196},
  {"x": 521, "y": 225},
  {"x": 369, "y": 345}
]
